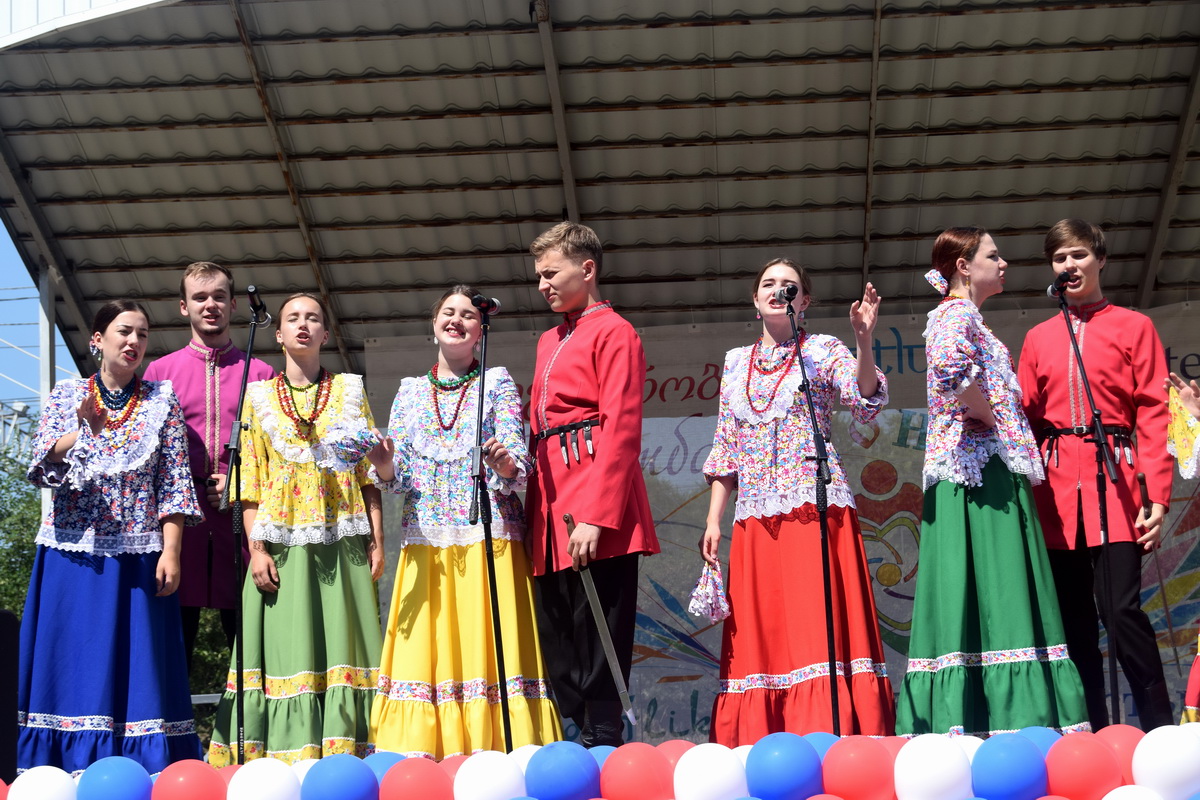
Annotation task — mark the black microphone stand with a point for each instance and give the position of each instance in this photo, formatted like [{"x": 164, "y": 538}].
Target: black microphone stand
[
  {"x": 823, "y": 480},
  {"x": 481, "y": 511},
  {"x": 239, "y": 531},
  {"x": 1104, "y": 463}
]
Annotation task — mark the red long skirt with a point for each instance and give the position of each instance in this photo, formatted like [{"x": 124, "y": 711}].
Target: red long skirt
[{"x": 774, "y": 652}]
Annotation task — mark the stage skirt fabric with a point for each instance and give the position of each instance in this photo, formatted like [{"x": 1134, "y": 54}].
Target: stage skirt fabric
[
  {"x": 1191, "y": 698},
  {"x": 774, "y": 652},
  {"x": 311, "y": 658},
  {"x": 987, "y": 653},
  {"x": 103, "y": 671},
  {"x": 439, "y": 684}
]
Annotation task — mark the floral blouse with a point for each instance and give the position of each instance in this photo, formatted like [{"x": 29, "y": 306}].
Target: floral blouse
[
  {"x": 308, "y": 487},
  {"x": 959, "y": 349},
  {"x": 433, "y": 465},
  {"x": 1183, "y": 438},
  {"x": 764, "y": 433},
  {"x": 112, "y": 491}
]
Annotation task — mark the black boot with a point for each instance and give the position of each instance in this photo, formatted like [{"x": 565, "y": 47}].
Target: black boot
[
  {"x": 1154, "y": 706},
  {"x": 604, "y": 725}
]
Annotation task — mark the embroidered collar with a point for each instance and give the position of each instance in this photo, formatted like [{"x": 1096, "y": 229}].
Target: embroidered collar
[
  {"x": 207, "y": 353},
  {"x": 1090, "y": 310},
  {"x": 571, "y": 318}
]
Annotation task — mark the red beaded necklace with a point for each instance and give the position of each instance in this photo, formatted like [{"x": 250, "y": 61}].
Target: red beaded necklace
[
  {"x": 783, "y": 367},
  {"x": 135, "y": 398},
  {"x": 460, "y": 385},
  {"x": 283, "y": 392}
]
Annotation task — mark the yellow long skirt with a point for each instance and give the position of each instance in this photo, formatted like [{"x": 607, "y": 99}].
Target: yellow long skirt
[{"x": 438, "y": 679}]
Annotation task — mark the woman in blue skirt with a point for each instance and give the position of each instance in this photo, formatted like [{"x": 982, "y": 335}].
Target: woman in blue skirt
[{"x": 103, "y": 671}]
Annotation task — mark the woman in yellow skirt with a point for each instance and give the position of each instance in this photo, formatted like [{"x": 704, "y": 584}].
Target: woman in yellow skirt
[
  {"x": 1183, "y": 441},
  {"x": 439, "y": 691}
]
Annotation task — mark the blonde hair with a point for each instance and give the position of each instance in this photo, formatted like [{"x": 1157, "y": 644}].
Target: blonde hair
[{"x": 576, "y": 242}]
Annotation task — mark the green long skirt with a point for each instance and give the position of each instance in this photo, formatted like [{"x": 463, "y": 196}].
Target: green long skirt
[
  {"x": 987, "y": 652},
  {"x": 311, "y": 658}
]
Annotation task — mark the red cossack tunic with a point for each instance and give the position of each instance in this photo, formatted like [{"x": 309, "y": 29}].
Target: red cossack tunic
[
  {"x": 1126, "y": 368},
  {"x": 590, "y": 367}
]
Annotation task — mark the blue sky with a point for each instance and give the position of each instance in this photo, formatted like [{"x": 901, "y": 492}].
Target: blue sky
[{"x": 19, "y": 329}]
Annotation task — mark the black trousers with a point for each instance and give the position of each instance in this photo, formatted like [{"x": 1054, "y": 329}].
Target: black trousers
[
  {"x": 190, "y": 616},
  {"x": 571, "y": 645},
  {"x": 1083, "y": 590}
]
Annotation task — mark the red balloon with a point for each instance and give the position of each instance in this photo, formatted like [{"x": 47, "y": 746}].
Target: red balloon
[
  {"x": 1082, "y": 767},
  {"x": 187, "y": 780},
  {"x": 1122, "y": 739},
  {"x": 1052, "y": 797},
  {"x": 3, "y": 790},
  {"x": 673, "y": 749},
  {"x": 417, "y": 777},
  {"x": 859, "y": 768},
  {"x": 825, "y": 797},
  {"x": 637, "y": 771},
  {"x": 227, "y": 771},
  {"x": 893, "y": 745},
  {"x": 450, "y": 764}
]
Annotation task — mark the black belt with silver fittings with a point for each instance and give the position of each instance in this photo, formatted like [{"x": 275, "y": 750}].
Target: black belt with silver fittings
[
  {"x": 561, "y": 431},
  {"x": 1122, "y": 436}
]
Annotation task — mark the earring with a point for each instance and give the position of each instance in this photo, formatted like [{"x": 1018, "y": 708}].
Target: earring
[
  {"x": 801, "y": 315},
  {"x": 757, "y": 315},
  {"x": 968, "y": 280},
  {"x": 94, "y": 349}
]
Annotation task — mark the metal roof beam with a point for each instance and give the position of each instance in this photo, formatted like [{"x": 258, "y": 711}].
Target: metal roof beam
[
  {"x": 869, "y": 177},
  {"x": 1170, "y": 189},
  {"x": 545, "y": 28},
  {"x": 52, "y": 265},
  {"x": 310, "y": 244}
]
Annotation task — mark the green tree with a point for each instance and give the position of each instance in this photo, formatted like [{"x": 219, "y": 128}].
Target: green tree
[{"x": 20, "y": 515}]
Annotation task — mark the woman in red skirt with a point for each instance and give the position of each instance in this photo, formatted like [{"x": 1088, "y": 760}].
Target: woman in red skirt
[{"x": 774, "y": 653}]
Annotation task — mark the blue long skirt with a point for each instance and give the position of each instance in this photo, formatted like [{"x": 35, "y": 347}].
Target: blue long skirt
[{"x": 103, "y": 670}]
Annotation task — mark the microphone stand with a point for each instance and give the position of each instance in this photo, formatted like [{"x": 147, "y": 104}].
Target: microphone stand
[
  {"x": 239, "y": 532},
  {"x": 823, "y": 480},
  {"x": 481, "y": 512},
  {"x": 1104, "y": 463}
]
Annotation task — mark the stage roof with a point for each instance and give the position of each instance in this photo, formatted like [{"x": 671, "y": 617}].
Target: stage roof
[{"x": 374, "y": 151}]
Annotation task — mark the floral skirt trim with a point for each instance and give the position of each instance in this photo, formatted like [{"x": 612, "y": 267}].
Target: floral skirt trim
[
  {"x": 858, "y": 666},
  {"x": 221, "y": 755},
  {"x": 461, "y": 691},
  {"x": 306, "y": 682},
  {"x": 1057, "y": 652},
  {"x": 959, "y": 730},
  {"x": 144, "y": 727}
]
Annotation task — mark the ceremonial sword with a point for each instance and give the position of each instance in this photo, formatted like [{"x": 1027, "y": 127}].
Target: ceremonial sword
[
  {"x": 610, "y": 652},
  {"x": 1162, "y": 584}
]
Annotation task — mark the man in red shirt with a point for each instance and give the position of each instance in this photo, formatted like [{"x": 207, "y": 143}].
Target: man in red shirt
[
  {"x": 1126, "y": 368},
  {"x": 586, "y": 420}
]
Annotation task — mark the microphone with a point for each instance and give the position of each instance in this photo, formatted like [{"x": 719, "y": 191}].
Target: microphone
[
  {"x": 487, "y": 305},
  {"x": 257, "y": 307},
  {"x": 787, "y": 294},
  {"x": 1060, "y": 284}
]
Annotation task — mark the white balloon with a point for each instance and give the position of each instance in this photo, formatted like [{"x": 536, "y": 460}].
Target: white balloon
[
  {"x": 489, "y": 775},
  {"x": 1133, "y": 793},
  {"x": 1167, "y": 760},
  {"x": 1192, "y": 728},
  {"x": 301, "y": 768},
  {"x": 933, "y": 767},
  {"x": 742, "y": 751},
  {"x": 709, "y": 771},
  {"x": 969, "y": 745},
  {"x": 264, "y": 779},
  {"x": 522, "y": 755},
  {"x": 42, "y": 783}
]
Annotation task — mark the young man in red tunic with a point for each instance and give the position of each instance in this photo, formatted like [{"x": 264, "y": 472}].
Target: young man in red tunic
[
  {"x": 206, "y": 376},
  {"x": 586, "y": 419},
  {"x": 1126, "y": 368}
]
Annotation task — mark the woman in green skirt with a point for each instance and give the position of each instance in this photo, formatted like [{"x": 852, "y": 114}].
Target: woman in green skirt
[
  {"x": 987, "y": 652},
  {"x": 311, "y": 632}
]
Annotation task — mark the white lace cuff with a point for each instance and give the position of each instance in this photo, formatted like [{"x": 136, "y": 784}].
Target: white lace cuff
[{"x": 268, "y": 530}]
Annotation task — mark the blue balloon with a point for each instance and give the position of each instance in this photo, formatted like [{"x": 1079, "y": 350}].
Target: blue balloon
[
  {"x": 115, "y": 778},
  {"x": 822, "y": 741},
  {"x": 784, "y": 766},
  {"x": 1043, "y": 737},
  {"x": 1009, "y": 767},
  {"x": 381, "y": 762},
  {"x": 340, "y": 777},
  {"x": 562, "y": 771},
  {"x": 601, "y": 753}
]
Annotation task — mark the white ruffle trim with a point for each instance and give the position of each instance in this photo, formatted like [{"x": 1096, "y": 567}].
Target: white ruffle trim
[
  {"x": 87, "y": 460},
  {"x": 344, "y": 442},
  {"x": 969, "y": 472},
  {"x": 734, "y": 391},
  {"x": 88, "y": 542},
  {"x": 429, "y": 444},
  {"x": 1001, "y": 372},
  {"x": 454, "y": 536},
  {"x": 773, "y": 505},
  {"x": 266, "y": 530}
]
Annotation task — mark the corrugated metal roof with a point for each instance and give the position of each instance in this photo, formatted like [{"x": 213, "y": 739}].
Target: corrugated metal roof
[{"x": 423, "y": 142}]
